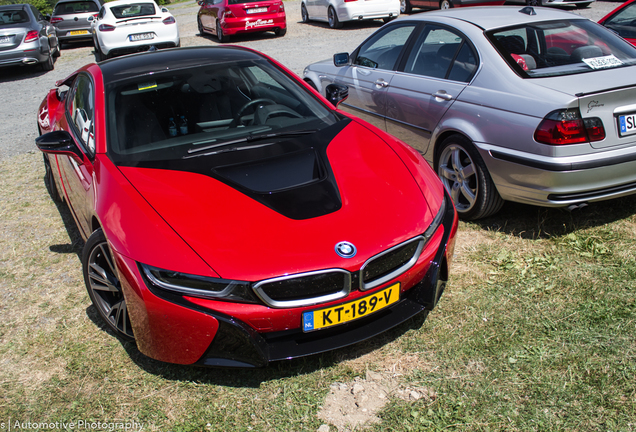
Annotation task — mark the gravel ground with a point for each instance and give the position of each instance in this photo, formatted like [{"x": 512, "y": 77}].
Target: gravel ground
[{"x": 22, "y": 89}]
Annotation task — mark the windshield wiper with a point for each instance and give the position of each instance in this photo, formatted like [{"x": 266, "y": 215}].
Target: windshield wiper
[{"x": 216, "y": 148}]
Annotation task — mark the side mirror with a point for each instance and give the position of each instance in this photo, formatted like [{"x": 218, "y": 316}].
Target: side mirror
[
  {"x": 341, "y": 59},
  {"x": 336, "y": 93},
  {"x": 59, "y": 142},
  {"x": 164, "y": 10},
  {"x": 91, "y": 18}
]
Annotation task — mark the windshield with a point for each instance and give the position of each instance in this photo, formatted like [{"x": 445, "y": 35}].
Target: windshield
[
  {"x": 133, "y": 10},
  {"x": 207, "y": 111},
  {"x": 562, "y": 47}
]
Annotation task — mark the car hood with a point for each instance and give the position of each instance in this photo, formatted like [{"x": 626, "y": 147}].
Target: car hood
[{"x": 241, "y": 236}]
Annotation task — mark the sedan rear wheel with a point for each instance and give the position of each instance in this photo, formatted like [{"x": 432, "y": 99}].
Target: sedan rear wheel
[
  {"x": 49, "y": 181},
  {"x": 303, "y": 13},
  {"x": 445, "y": 4},
  {"x": 49, "y": 63},
  {"x": 405, "y": 6},
  {"x": 103, "y": 285},
  {"x": 466, "y": 177},
  {"x": 332, "y": 17},
  {"x": 220, "y": 35}
]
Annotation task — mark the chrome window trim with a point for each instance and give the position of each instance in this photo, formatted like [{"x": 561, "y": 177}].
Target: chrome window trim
[{"x": 344, "y": 292}]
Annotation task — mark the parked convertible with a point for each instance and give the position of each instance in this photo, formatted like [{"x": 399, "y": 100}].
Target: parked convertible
[
  {"x": 533, "y": 105},
  {"x": 232, "y": 216}
]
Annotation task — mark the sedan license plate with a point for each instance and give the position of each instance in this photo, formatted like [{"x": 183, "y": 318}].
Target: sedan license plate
[
  {"x": 257, "y": 10},
  {"x": 78, "y": 32},
  {"x": 6, "y": 39},
  {"x": 141, "y": 36},
  {"x": 627, "y": 124},
  {"x": 343, "y": 313}
]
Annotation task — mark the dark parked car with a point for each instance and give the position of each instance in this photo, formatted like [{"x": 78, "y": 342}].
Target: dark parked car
[
  {"x": 71, "y": 19},
  {"x": 26, "y": 37}
]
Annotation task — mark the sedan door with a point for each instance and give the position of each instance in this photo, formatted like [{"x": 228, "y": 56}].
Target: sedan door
[
  {"x": 372, "y": 71},
  {"x": 435, "y": 72}
]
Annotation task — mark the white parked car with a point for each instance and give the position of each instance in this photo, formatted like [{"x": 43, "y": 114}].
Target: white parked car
[
  {"x": 124, "y": 27},
  {"x": 335, "y": 12}
]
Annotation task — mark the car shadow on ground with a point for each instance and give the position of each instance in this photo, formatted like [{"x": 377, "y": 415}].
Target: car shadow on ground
[
  {"x": 531, "y": 222},
  {"x": 347, "y": 25},
  {"x": 254, "y": 377},
  {"x": 21, "y": 73}
]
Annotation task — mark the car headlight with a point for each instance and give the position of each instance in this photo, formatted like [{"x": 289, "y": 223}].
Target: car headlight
[{"x": 197, "y": 286}]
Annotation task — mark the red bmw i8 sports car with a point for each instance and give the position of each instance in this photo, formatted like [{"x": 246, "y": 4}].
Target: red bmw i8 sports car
[{"x": 232, "y": 215}]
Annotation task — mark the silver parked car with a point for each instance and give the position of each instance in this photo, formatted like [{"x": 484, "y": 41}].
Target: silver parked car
[
  {"x": 71, "y": 18},
  {"x": 26, "y": 37},
  {"x": 533, "y": 105}
]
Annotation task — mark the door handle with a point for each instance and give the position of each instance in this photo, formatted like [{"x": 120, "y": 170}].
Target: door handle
[
  {"x": 441, "y": 94},
  {"x": 381, "y": 83}
]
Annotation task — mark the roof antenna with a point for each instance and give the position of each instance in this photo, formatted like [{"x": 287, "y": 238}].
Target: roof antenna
[{"x": 528, "y": 10}]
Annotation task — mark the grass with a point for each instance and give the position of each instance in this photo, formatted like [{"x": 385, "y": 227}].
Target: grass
[{"x": 534, "y": 333}]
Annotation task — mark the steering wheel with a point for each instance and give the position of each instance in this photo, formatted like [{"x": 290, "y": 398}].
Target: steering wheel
[{"x": 239, "y": 113}]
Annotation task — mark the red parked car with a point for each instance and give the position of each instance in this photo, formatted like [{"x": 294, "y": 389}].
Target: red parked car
[
  {"x": 232, "y": 215},
  {"x": 623, "y": 21},
  {"x": 225, "y": 18}
]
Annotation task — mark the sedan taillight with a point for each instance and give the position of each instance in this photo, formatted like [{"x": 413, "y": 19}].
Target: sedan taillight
[
  {"x": 562, "y": 127},
  {"x": 31, "y": 36},
  {"x": 106, "y": 27},
  {"x": 169, "y": 20},
  {"x": 56, "y": 20}
]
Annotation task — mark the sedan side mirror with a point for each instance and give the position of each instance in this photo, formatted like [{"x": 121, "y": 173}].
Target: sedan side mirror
[
  {"x": 341, "y": 59},
  {"x": 336, "y": 93},
  {"x": 59, "y": 142}
]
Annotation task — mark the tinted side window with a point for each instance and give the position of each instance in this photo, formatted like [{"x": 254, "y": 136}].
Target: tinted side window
[
  {"x": 383, "y": 49},
  {"x": 81, "y": 112},
  {"x": 441, "y": 53}
]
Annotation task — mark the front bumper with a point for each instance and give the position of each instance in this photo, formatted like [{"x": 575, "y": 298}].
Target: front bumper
[{"x": 183, "y": 330}]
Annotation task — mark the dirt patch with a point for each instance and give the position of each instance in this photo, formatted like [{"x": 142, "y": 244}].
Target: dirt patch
[{"x": 351, "y": 406}]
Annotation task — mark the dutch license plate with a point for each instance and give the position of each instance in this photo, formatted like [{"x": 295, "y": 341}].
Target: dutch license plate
[
  {"x": 141, "y": 36},
  {"x": 257, "y": 10},
  {"x": 627, "y": 124},
  {"x": 5, "y": 39},
  {"x": 346, "y": 312},
  {"x": 78, "y": 32}
]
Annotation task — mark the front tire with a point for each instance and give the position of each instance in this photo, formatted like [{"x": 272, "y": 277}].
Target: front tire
[
  {"x": 405, "y": 7},
  {"x": 332, "y": 17},
  {"x": 104, "y": 288},
  {"x": 445, "y": 4},
  {"x": 200, "y": 27},
  {"x": 465, "y": 176}
]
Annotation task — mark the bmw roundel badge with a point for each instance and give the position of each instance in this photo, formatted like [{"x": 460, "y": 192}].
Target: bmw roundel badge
[{"x": 346, "y": 249}]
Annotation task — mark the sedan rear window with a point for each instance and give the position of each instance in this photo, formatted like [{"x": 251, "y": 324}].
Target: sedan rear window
[
  {"x": 13, "y": 17},
  {"x": 562, "y": 47},
  {"x": 75, "y": 7},
  {"x": 133, "y": 10}
]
